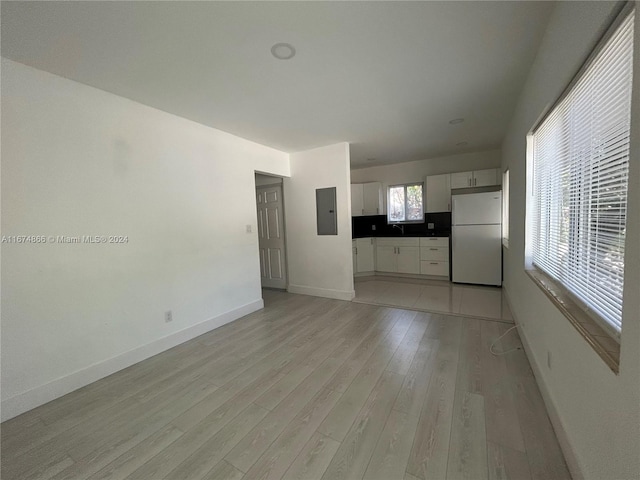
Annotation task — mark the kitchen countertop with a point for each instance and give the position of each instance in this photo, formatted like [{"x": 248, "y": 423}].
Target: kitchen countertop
[{"x": 435, "y": 233}]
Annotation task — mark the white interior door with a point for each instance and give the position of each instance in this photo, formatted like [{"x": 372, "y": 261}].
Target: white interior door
[{"x": 271, "y": 244}]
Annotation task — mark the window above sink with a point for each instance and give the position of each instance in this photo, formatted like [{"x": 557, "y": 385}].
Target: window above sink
[{"x": 405, "y": 203}]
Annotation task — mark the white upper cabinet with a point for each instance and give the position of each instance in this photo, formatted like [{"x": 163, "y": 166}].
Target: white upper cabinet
[
  {"x": 366, "y": 199},
  {"x": 372, "y": 195},
  {"x": 461, "y": 180},
  {"x": 438, "y": 193},
  {"x": 357, "y": 199},
  {"x": 486, "y": 178},
  {"x": 477, "y": 178}
]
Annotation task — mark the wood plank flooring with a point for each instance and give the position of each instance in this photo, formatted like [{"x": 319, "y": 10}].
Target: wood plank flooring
[{"x": 307, "y": 388}]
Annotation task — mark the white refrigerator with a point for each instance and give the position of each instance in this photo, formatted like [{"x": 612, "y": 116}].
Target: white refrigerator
[{"x": 476, "y": 238}]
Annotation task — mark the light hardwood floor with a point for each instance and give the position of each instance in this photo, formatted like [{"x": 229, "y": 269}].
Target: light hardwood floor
[{"x": 308, "y": 388}]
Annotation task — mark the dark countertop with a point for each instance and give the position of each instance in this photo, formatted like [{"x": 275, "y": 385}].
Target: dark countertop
[{"x": 434, "y": 233}]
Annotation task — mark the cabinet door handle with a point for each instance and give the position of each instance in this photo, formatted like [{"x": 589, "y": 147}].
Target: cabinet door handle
[
  {"x": 433, "y": 263},
  {"x": 434, "y": 249},
  {"x": 398, "y": 250},
  {"x": 356, "y": 250},
  {"x": 377, "y": 210},
  {"x": 363, "y": 211}
]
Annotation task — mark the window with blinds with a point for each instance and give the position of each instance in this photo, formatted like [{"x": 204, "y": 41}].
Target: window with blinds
[{"x": 580, "y": 177}]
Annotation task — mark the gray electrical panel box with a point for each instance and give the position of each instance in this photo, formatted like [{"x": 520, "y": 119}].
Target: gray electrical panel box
[{"x": 326, "y": 213}]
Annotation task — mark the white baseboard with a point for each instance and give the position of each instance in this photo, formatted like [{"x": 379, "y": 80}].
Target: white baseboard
[
  {"x": 35, "y": 397},
  {"x": 364, "y": 274},
  {"x": 558, "y": 426},
  {"x": 322, "y": 292}
]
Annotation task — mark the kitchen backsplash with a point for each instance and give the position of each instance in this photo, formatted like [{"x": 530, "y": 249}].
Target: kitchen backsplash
[{"x": 364, "y": 226}]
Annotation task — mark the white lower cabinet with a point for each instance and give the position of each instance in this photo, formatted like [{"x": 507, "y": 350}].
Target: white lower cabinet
[
  {"x": 364, "y": 255},
  {"x": 398, "y": 255},
  {"x": 416, "y": 255},
  {"x": 408, "y": 259},
  {"x": 386, "y": 258},
  {"x": 354, "y": 256},
  {"x": 440, "y": 269},
  {"x": 434, "y": 256}
]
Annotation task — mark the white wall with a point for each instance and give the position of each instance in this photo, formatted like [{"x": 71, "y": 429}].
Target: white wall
[
  {"x": 319, "y": 264},
  {"x": 80, "y": 161},
  {"x": 417, "y": 171},
  {"x": 596, "y": 413}
]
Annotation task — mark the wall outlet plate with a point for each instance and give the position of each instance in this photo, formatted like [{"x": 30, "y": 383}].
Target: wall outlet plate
[
  {"x": 373, "y": 227},
  {"x": 431, "y": 226},
  {"x": 168, "y": 316}
]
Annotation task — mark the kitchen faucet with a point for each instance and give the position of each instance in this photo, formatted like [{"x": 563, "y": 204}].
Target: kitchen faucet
[{"x": 399, "y": 227}]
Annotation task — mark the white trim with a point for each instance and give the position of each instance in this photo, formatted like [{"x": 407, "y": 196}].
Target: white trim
[
  {"x": 417, "y": 276},
  {"x": 35, "y": 397},
  {"x": 552, "y": 410},
  {"x": 347, "y": 295},
  {"x": 364, "y": 274}
]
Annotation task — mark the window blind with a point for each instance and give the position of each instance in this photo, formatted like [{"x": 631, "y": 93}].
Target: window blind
[{"x": 580, "y": 177}]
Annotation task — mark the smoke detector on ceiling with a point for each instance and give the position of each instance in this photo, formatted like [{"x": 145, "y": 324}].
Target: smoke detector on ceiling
[{"x": 283, "y": 51}]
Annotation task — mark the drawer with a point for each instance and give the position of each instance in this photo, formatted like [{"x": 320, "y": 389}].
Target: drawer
[
  {"x": 430, "y": 267},
  {"x": 407, "y": 242},
  {"x": 434, "y": 253},
  {"x": 431, "y": 241},
  {"x": 398, "y": 242}
]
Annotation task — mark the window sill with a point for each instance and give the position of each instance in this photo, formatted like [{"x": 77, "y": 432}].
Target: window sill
[{"x": 605, "y": 346}]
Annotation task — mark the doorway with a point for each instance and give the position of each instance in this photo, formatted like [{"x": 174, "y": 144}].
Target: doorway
[{"x": 271, "y": 232}]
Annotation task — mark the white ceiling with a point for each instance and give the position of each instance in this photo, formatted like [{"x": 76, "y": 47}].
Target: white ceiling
[{"x": 385, "y": 76}]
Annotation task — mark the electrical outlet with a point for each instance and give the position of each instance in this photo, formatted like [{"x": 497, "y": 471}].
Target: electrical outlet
[
  {"x": 168, "y": 316},
  {"x": 248, "y": 228},
  {"x": 373, "y": 227},
  {"x": 549, "y": 359},
  {"x": 431, "y": 226}
]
